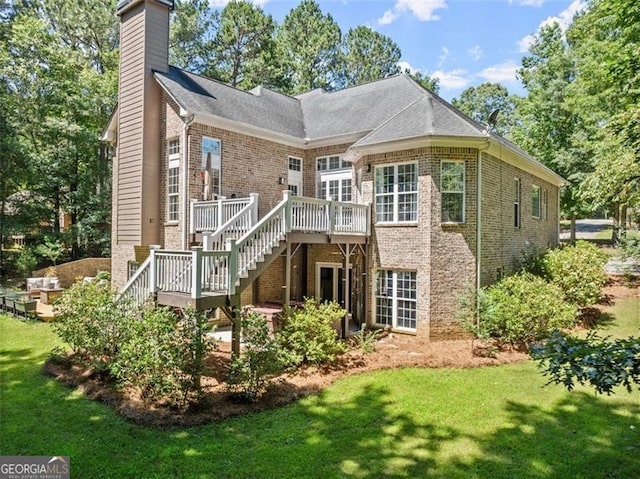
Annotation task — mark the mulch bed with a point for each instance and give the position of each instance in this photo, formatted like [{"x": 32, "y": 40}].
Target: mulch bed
[{"x": 392, "y": 351}]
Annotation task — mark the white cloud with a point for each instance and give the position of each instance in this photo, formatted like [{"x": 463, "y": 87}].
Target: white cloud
[
  {"x": 528, "y": 3},
  {"x": 458, "y": 78},
  {"x": 564, "y": 19},
  {"x": 422, "y": 9},
  {"x": 475, "y": 52},
  {"x": 407, "y": 67},
  {"x": 388, "y": 17},
  {"x": 500, "y": 73},
  {"x": 444, "y": 56}
]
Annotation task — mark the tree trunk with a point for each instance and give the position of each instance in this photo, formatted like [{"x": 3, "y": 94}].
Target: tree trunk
[
  {"x": 615, "y": 233},
  {"x": 572, "y": 236}
]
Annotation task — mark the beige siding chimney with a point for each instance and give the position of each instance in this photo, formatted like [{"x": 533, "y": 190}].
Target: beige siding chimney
[{"x": 144, "y": 47}]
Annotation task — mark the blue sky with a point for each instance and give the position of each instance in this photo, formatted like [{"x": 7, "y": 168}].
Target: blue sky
[{"x": 462, "y": 42}]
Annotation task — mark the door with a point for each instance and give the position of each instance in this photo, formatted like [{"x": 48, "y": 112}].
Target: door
[
  {"x": 330, "y": 283},
  {"x": 334, "y": 185}
]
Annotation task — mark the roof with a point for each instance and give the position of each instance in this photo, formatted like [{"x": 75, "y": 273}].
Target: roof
[{"x": 375, "y": 116}]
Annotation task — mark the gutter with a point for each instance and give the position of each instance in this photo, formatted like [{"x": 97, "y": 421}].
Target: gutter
[
  {"x": 188, "y": 120},
  {"x": 479, "y": 228}
]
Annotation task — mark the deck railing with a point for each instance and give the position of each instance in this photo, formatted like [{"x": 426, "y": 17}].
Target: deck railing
[
  {"x": 210, "y": 215},
  {"x": 219, "y": 266},
  {"x": 236, "y": 227},
  {"x": 138, "y": 288}
]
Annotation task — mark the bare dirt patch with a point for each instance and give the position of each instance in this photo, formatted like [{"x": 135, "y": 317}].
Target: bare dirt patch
[{"x": 392, "y": 351}]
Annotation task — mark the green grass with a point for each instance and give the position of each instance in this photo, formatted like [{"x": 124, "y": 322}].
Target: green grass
[{"x": 496, "y": 422}]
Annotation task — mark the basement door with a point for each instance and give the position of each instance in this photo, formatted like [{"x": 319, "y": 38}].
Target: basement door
[{"x": 330, "y": 283}]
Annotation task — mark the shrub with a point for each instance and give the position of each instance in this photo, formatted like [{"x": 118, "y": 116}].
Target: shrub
[
  {"x": 578, "y": 270},
  {"x": 308, "y": 335},
  {"x": 162, "y": 354},
  {"x": 519, "y": 309},
  {"x": 26, "y": 262},
  {"x": 260, "y": 362},
  {"x": 365, "y": 339},
  {"x": 91, "y": 323},
  {"x": 598, "y": 362},
  {"x": 630, "y": 245}
]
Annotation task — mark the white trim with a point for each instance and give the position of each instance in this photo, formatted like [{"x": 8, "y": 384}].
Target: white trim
[
  {"x": 394, "y": 299},
  {"x": 464, "y": 192},
  {"x": 336, "y": 276},
  {"x": 296, "y": 177},
  {"x": 395, "y": 194},
  {"x": 533, "y": 188}
]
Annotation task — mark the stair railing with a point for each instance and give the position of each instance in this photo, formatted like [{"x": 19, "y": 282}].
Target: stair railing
[{"x": 235, "y": 227}]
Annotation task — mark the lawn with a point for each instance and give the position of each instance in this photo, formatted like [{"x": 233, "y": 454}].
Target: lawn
[{"x": 497, "y": 422}]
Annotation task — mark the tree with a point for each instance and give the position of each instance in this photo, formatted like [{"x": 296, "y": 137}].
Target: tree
[
  {"x": 190, "y": 36},
  {"x": 606, "y": 96},
  {"x": 368, "y": 56},
  {"x": 309, "y": 44},
  {"x": 548, "y": 127},
  {"x": 600, "y": 363},
  {"x": 425, "y": 81},
  {"x": 244, "y": 45},
  {"x": 481, "y": 101}
]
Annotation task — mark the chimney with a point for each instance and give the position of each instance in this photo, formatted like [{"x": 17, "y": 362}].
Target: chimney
[{"x": 144, "y": 48}]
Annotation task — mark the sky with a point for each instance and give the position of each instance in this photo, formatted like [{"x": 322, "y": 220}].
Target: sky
[{"x": 461, "y": 42}]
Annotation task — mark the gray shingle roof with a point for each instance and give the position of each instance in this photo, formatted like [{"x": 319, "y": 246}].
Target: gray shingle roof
[{"x": 263, "y": 108}]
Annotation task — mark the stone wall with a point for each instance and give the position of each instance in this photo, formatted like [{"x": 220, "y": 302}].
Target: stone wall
[{"x": 68, "y": 273}]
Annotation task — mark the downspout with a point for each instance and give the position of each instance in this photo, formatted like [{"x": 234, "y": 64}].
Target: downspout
[
  {"x": 188, "y": 120},
  {"x": 479, "y": 229}
]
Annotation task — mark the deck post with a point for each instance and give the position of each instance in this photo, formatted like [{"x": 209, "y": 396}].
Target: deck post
[
  {"x": 196, "y": 272},
  {"x": 287, "y": 276},
  {"x": 254, "y": 208},
  {"x": 220, "y": 218},
  {"x": 153, "y": 268},
  {"x": 207, "y": 244},
  {"x": 347, "y": 256},
  {"x": 232, "y": 267},
  {"x": 286, "y": 195}
]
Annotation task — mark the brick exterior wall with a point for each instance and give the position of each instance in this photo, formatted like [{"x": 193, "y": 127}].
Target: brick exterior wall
[
  {"x": 442, "y": 255},
  {"x": 503, "y": 245}
]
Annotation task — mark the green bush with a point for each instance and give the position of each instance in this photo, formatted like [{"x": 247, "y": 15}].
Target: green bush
[
  {"x": 308, "y": 335},
  {"x": 260, "y": 362},
  {"x": 162, "y": 355},
  {"x": 518, "y": 309},
  {"x": 91, "y": 323},
  {"x": 578, "y": 270},
  {"x": 26, "y": 262},
  {"x": 629, "y": 244},
  {"x": 365, "y": 339}
]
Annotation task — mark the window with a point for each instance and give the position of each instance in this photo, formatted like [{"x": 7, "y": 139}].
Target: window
[
  {"x": 173, "y": 180},
  {"x": 333, "y": 162},
  {"x": 545, "y": 204},
  {"x": 535, "y": 201},
  {"x": 396, "y": 299},
  {"x": 396, "y": 192},
  {"x": 516, "y": 204},
  {"x": 210, "y": 168},
  {"x": 294, "y": 178},
  {"x": 452, "y": 191}
]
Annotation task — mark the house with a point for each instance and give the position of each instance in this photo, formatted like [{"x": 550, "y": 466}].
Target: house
[{"x": 395, "y": 203}]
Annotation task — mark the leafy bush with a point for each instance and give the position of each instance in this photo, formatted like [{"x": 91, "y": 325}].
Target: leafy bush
[
  {"x": 595, "y": 361},
  {"x": 578, "y": 270},
  {"x": 91, "y": 323},
  {"x": 518, "y": 309},
  {"x": 260, "y": 361},
  {"x": 365, "y": 339},
  {"x": 308, "y": 335},
  {"x": 26, "y": 262},
  {"x": 162, "y": 354},
  {"x": 630, "y": 245}
]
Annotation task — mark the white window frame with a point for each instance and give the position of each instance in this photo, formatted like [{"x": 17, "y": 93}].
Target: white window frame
[
  {"x": 545, "y": 203},
  {"x": 392, "y": 294},
  {"x": 173, "y": 180},
  {"x": 517, "y": 202},
  {"x": 535, "y": 188},
  {"x": 295, "y": 176},
  {"x": 395, "y": 194},
  {"x": 463, "y": 192},
  {"x": 323, "y": 163}
]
